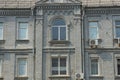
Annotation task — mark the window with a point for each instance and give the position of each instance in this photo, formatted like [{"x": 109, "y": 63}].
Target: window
[
  {"x": 22, "y": 67},
  {"x": 118, "y": 66},
  {"x": 59, "y": 66},
  {"x": 1, "y": 62},
  {"x": 94, "y": 66},
  {"x": 22, "y": 30},
  {"x": 93, "y": 30},
  {"x": 117, "y": 25},
  {"x": 59, "y": 29},
  {"x": 1, "y": 31}
]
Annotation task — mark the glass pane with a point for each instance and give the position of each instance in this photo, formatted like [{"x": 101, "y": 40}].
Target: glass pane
[
  {"x": 54, "y": 66},
  {"x": 117, "y": 31},
  {"x": 22, "y": 33},
  {"x": 117, "y": 23},
  {"x": 54, "y": 62},
  {"x": 62, "y": 33},
  {"x": 58, "y": 22},
  {"x": 1, "y": 33},
  {"x": 93, "y": 33},
  {"x": 22, "y": 66},
  {"x": 63, "y": 65},
  {"x": 55, "y": 33},
  {"x": 23, "y": 24},
  {"x": 93, "y": 26},
  {"x": 62, "y": 62},
  {"x": 118, "y": 66},
  {"x": 94, "y": 67}
]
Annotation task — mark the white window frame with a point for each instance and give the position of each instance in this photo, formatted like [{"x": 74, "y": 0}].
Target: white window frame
[
  {"x": 115, "y": 29},
  {"x": 60, "y": 56},
  {"x": 18, "y": 67},
  {"x": 94, "y": 27},
  {"x": 1, "y": 38},
  {"x": 26, "y": 30},
  {"x": 59, "y": 26},
  {"x": 92, "y": 58}
]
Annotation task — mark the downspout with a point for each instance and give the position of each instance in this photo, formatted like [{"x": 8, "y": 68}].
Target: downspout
[
  {"x": 34, "y": 41},
  {"x": 83, "y": 37}
]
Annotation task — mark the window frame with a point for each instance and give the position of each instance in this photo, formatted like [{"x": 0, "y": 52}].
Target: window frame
[
  {"x": 59, "y": 26},
  {"x": 18, "y": 34},
  {"x": 98, "y": 62},
  {"x": 2, "y": 30},
  {"x": 26, "y": 72},
  {"x": 93, "y": 27},
  {"x": 115, "y": 36},
  {"x": 61, "y": 56}
]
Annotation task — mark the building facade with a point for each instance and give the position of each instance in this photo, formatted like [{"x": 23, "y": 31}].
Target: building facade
[{"x": 59, "y": 40}]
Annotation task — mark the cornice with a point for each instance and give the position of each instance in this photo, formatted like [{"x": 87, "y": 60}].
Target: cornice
[
  {"x": 58, "y": 6},
  {"x": 102, "y": 10},
  {"x": 15, "y": 12},
  {"x": 16, "y": 50},
  {"x": 103, "y": 49}
]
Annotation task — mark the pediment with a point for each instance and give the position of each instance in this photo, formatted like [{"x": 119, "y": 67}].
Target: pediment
[{"x": 58, "y": 1}]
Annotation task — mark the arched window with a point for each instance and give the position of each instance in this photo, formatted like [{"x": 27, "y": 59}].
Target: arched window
[{"x": 58, "y": 29}]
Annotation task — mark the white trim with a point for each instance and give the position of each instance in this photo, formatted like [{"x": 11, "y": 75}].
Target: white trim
[
  {"x": 26, "y": 38},
  {"x": 59, "y": 56},
  {"x": 97, "y": 26},
  {"x": 59, "y": 26},
  {"x": 2, "y": 27},
  {"x": 91, "y": 58}
]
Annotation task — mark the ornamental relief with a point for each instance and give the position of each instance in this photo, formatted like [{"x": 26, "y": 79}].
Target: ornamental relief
[{"x": 58, "y": 12}]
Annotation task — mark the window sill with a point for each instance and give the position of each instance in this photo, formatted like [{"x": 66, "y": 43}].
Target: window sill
[
  {"x": 21, "y": 77},
  {"x": 59, "y": 42},
  {"x": 22, "y": 40},
  {"x": 117, "y": 76},
  {"x": 59, "y": 76},
  {"x": 2, "y": 41},
  {"x": 96, "y": 76}
]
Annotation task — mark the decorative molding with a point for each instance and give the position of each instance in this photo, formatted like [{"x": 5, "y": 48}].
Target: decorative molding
[
  {"x": 58, "y": 6},
  {"x": 16, "y": 51},
  {"x": 15, "y": 12},
  {"x": 100, "y": 10},
  {"x": 58, "y": 12}
]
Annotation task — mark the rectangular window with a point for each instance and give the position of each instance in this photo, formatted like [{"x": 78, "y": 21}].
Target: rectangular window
[
  {"x": 118, "y": 66},
  {"x": 22, "y": 67},
  {"x": 93, "y": 30},
  {"x": 59, "y": 66},
  {"x": 1, "y": 31},
  {"x": 23, "y": 30},
  {"x": 117, "y": 25},
  {"x": 59, "y": 32},
  {"x": 94, "y": 66}
]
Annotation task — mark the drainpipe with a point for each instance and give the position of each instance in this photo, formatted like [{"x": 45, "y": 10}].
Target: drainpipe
[{"x": 83, "y": 39}]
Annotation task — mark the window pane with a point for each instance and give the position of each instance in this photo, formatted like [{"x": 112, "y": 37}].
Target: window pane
[
  {"x": 55, "y": 33},
  {"x": 94, "y": 67},
  {"x": 117, "y": 31},
  {"x": 22, "y": 64},
  {"x": 117, "y": 23},
  {"x": 93, "y": 27},
  {"x": 63, "y": 65},
  {"x": 1, "y": 30},
  {"x": 118, "y": 66},
  {"x": 22, "y": 30},
  {"x": 58, "y": 22},
  {"x": 62, "y": 33},
  {"x": 54, "y": 66}
]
